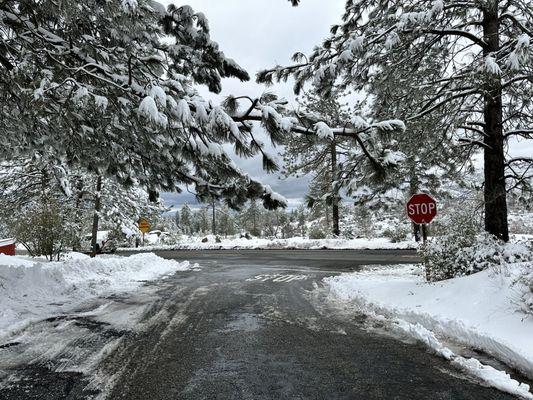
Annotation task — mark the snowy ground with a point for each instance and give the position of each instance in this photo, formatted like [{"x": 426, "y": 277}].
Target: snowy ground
[
  {"x": 195, "y": 243},
  {"x": 32, "y": 290},
  {"x": 479, "y": 311}
]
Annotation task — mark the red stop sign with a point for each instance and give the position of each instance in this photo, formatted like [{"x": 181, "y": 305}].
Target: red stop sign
[{"x": 422, "y": 208}]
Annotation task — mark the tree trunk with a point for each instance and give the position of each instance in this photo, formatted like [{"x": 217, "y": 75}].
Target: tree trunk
[
  {"x": 96, "y": 217},
  {"x": 79, "y": 213},
  {"x": 335, "y": 200},
  {"x": 214, "y": 222},
  {"x": 495, "y": 194}
]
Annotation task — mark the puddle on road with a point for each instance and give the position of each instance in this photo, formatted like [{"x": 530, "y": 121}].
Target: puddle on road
[{"x": 244, "y": 323}]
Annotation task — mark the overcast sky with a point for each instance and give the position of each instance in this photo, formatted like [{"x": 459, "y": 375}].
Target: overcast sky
[{"x": 259, "y": 34}]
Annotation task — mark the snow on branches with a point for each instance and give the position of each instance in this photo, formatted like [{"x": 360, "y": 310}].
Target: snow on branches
[
  {"x": 462, "y": 67},
  {"x": 116, "y": 96}
]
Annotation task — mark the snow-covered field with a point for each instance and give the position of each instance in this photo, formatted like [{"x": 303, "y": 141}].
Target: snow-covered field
[
  {"x": 195, "y": 243},
  {"x": 480, "y": 311},
  {"x": 32, "y": 290}
]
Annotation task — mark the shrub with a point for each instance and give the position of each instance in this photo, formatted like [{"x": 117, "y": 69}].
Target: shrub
[
  {"x": 527, "y": 299},
  {"x": 364, "y": 223},
  {"x": 44, "y": 230},
  {"x": 317, "y": 232},
  {"x": 449, "y": 253},
  {"x": 524, "y": 282},
  {"x": 449, "y": 256},
  {"x": 397, "y": 234}
]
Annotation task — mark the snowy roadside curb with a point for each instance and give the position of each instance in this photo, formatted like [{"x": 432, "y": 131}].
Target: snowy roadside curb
[
  {"x": 487, "y": 374},
  {"x": 34, "y": 290},
  {"x": 478, "y": 311},
  {"x": 282, "y": 244}
]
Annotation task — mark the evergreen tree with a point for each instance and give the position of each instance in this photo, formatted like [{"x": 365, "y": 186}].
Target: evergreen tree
[
  {"x": 474, "y": 65},
  {"x": 186, "y": 219},
  {"x": 251, "y": 219},
  {"x": 301, "y": 220},
  {"x": 100, "y": 84},
  {"x": 226, "y": 222},
  {"x": 177, "y": 219},
  {"x": 306, "y": 154},
  {"x": 203, "y": 220}
]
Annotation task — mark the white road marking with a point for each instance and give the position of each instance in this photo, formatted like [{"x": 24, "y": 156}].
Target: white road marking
[{"x": 278, "y": 278}]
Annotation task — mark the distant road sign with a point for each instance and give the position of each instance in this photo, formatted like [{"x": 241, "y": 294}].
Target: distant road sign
[
  {"x": 422, "y": 208},
  {"x": 144, "y": 225}
]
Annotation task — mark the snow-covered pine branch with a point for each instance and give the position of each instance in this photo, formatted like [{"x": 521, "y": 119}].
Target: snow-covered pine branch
[
  {"x": 440, "y": 64},
  {"x": 116, "y": 95}
]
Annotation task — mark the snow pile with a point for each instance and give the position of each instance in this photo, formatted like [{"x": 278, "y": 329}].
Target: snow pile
[
  {"x": 489, "y": 375},
  {"x": 479, "y": 311},
  {"x": 31, "y": 290},
  {"x": 210, "y": 243}
]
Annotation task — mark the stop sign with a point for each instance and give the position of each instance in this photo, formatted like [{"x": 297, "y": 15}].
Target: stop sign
[{"x": 422, "y": 208}]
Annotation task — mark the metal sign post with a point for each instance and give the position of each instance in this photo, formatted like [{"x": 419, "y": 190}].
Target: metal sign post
[
  {"x": 422, "y": 209},
  {"x": 144, "y": 227}
]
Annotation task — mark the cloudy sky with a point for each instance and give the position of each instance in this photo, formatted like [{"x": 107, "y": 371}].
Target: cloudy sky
[{"x": 259, "y": 34}]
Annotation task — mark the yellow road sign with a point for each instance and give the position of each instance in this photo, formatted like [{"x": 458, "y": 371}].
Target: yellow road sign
[{"x": 144, "y": 225}]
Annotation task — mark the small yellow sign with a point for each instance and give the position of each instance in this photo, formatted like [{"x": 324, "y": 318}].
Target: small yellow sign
[{"x": 144, "y": 225}]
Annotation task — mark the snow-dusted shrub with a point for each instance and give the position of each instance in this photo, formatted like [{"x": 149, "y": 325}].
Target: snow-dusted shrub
[
  {"x": 397, "y": 234},
  {"x": 45, "y": 230},
  {"x": 521, "y": 223},
  {"x": 450, "y": 256},
  {"x": 524, "y": 283},
  {"x": 364, "y": 224},
  {"x": 317, "y": 231},
  {"x": 527, "y": 298}
]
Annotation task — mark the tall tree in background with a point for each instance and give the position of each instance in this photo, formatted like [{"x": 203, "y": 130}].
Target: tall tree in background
[
  {"x": 482, "y": 76},
  {"x": 251, "y": 219},
  {"x": 320, "y": 158},
  {"x": 177, "y": 219},
  {"x": 186, "y": 219}
]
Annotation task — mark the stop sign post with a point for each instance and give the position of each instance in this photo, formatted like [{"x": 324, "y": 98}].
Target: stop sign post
[{"x": 422, "y": 209}]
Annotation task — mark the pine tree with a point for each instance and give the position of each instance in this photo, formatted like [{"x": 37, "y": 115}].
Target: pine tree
[
  {"x": 226, "y": 222},
  {"x": 475, "y": 63},
  {"x": 203, "y": 220},
  {"x": 251, "y": 219},
  {"x": 320, "y": 158},
  {"x": 177, "y": 219},
  {"x": 186, "y": 219},
  {"x": 101, "y": 85},
  {"x": 86, "y": 199}
]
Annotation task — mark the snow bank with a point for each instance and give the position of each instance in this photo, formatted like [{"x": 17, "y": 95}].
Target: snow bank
[
  {"x": 292, "y": 243},
  {"x": 32, "y": 290},
  {"x": 479, "y": 311}
]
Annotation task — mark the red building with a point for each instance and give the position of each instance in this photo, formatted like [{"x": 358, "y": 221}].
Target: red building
[{"x": 7, "y": 247}]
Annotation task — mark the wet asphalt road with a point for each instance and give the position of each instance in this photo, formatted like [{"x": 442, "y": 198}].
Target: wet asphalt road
[{"x": 248, "y": 325}]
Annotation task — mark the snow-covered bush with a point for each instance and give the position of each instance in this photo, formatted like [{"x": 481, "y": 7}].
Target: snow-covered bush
[
  {"x": 398, "y": 233},
  {"x": 450, "y": 256},
  {"x": 45, "y": 230},
  {"x": 527, "y": 298},
  {"x": 525, "y": 284},
  {"x": 364, "y": 223},
  {"x": 461, "y": 247},
  {"x": 317, "y": 231}
]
